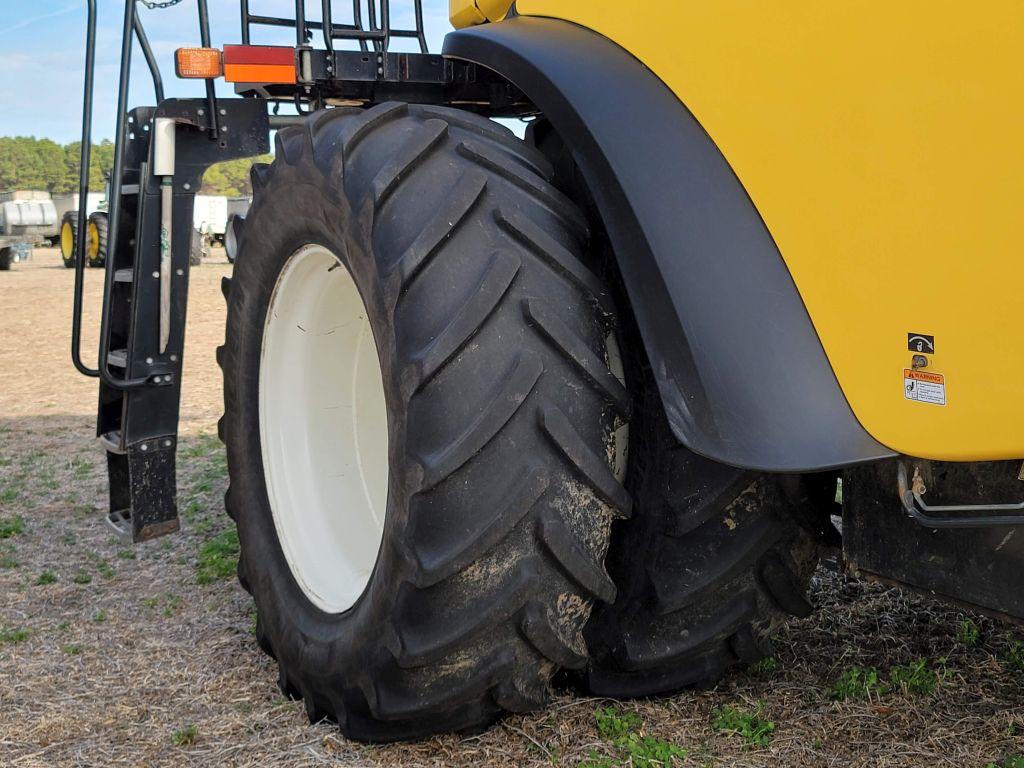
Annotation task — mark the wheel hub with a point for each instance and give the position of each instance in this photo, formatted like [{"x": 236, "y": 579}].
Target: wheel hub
[{"x": 323, "y": 429}]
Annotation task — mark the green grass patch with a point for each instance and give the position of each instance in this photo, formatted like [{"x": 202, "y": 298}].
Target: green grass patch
[
  {"x": 12, "y": 636},
  {"x": 81, "y": 578},
  {"x": 1012, "y": 761},
  {"x": 126, "y": 554},
  {"x": 173, "y": 603},
  {"x": 81, "y": 467},
  {"x": 858, "y": 683},
  {"x": 968, "y": 634},
  {"x": 192, "y": 510},
  {"x": 915, "y": 678},
  {"x": 7, "y": 558},
  {"x": 1015, "y": 655},
  {"x": 766, "y": 666},
  {"x": 104, "y": 569},
  {"x": 186, "y": 737},
  {"x": 99, "y": 616},
  {"x": 751, "y": 726},
  {"x": 71, "y": 649},
  {"x": 218, "y": 557},
  {"x": 11, "y": 526},
  {"x": 46, "y": 577},
  {"x": 623, "y": 732}
]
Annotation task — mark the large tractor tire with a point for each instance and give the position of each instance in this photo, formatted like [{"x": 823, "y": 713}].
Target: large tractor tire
[
  {"x": 711, "y": 558},
  {"x": 420, "y": 421},
  {"x": 97, "y": 240},
  {"x": 69, "y": 238}
]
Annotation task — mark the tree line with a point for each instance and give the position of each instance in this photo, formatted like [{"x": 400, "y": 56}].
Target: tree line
[{"x": 30, "y": 163}]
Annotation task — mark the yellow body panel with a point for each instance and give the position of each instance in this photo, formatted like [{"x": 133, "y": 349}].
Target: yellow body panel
[
  {"x": 883, "y": 144},
  {"x": 466, "y": 13}
]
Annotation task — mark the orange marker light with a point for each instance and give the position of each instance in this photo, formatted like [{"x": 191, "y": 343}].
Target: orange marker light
[
  {"x": 199, "y": 63},
  {"x": 259, "y": 64}
]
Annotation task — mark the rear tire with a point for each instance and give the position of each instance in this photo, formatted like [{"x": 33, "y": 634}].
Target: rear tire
[
  {"x": 69, "y": 238},
  {"x": 97, "y": 240},
  {"x": 501, "y": 411},
  {"x": 726, "y": 553}
]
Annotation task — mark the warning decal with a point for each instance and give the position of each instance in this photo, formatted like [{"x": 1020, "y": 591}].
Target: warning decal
[{"x": 924, "y": 387}]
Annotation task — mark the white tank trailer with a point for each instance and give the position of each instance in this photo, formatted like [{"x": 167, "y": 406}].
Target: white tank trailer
[
  {"x": 210, "y": 217},
  {"x": 28, "y": 212},
  {"x": 26, "y": 217},
  {"x": 95, "y": 201}
]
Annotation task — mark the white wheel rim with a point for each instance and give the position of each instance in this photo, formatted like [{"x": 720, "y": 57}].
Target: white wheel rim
[{"x": 323, "y": 429}]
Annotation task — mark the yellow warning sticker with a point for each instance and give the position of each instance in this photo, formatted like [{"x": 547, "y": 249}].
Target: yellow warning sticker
[{"x": 924, "y": 387}]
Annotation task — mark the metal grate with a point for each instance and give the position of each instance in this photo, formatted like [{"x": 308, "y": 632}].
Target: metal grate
[{"x": 376, "y": 33}]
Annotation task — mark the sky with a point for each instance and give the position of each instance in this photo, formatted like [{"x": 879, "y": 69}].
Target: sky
[{"x": 42, "y": 51}]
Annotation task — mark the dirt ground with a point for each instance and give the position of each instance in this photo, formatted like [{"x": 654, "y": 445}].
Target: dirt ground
[{"x": 116, "y": 655}]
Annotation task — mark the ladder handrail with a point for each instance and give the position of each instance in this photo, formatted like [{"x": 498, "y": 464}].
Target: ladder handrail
[
  {"x": 114, "y": 206},
  {"x": 102, "y": 369},
  {"x": 83, "y": 193}
]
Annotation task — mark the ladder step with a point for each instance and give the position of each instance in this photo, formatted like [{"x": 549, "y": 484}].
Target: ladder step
[
  {"x": 118, "y": 358},
  {"x": 121, "y": 522},
  {"x": 123, "y": 275},
  {"x": 111, "y": 441},
  {"x": 129, "y": 189}
]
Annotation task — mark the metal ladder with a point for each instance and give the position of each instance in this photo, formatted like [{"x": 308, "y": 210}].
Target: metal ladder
[{"x": 140, "y": 386}]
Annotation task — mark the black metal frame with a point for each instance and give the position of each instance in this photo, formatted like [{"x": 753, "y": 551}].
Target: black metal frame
[
  {"x": 378, "y": 35},
  {"x": 137, "y": 417}
]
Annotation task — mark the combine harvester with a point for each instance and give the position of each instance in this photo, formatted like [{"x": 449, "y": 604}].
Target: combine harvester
[{"x": 499, "y": 407}]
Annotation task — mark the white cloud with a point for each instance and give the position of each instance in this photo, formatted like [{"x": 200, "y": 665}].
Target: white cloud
[{"x": 41, "y": 17}]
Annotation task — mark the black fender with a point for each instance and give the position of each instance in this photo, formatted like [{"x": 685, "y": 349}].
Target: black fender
[{"x": 741, "y": 371}]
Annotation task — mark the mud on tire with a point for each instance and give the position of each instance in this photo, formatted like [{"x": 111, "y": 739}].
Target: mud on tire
[
  {"x": 711, "y": 557},
  {"x": 501, "y": 408}
]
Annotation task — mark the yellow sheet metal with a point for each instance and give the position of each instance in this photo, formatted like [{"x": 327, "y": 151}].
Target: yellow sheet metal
[
  {"x": 466, "y": 13},
  {"x": 883, "y": 143}
]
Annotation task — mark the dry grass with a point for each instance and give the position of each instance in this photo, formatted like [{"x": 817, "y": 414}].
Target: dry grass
[{"x": 118, "y": 656}]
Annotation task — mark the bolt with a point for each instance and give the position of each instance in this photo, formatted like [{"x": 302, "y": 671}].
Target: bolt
[
  {"x": 156, "y": 275},
  {"x": 149, "y": 361},
  {"x": 186, "y": 186},
  {"x": 167, "y": 443},
  {"x": 144, "y": 447},
  {"x": 200, "y": 112},
  {"x": 181, "y": 272},
  {"x": 174, "y": 358},
  {"x": 223, "y": 111},
  {"x": 919, "y": 361}
]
